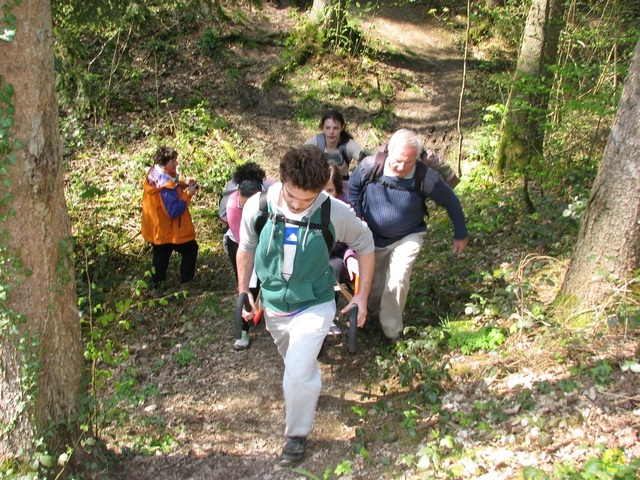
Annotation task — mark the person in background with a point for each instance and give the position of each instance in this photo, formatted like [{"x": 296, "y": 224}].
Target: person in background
[
  {"x": 250, "y": 179},
  {"x": 233, "y": 199},
  {"x": 290, "y": 253},
  {"x": 337, "y": 144},
  {"x": 166, "y": 222},
  {"x": 246, "y": 171},
  {"x": 336, "y": 186},
  {"x": 394, "y": 210}
]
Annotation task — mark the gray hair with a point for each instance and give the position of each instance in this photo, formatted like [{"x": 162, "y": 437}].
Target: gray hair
[{"x": 405, "y": 137}]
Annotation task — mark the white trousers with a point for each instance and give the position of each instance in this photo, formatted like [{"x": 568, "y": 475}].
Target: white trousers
[
  {"x": 299, "y": 339},
  {"x": 392, "y": 280}
]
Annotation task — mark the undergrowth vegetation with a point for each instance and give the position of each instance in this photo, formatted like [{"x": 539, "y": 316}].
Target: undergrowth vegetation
[{"x": 472, "y": 320}]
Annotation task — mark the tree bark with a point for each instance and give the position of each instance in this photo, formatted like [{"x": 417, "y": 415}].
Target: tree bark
[
  {"x": 491, "y": 4},
  {"x": 318, "y": 9},
  {"x": 522, "y": 135},
  {"x": 521, "y": 138},
  {"x": 608, "y": 247},
  {"x": 42, "y": 362}
]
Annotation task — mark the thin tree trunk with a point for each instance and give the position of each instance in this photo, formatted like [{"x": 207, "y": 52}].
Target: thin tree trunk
[
  {"x": 318, "y": 10},
  {"x": 462, "y": 89},
  {"x": 522, "y": 132},
  {"x": 494, "y": 3},
  {"x": 513, "y": 147}
]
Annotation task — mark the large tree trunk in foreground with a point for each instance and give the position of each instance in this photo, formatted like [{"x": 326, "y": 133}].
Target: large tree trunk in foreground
[
  {"x": 40, "y": 346},
  {"x": 608, "y": 248}
]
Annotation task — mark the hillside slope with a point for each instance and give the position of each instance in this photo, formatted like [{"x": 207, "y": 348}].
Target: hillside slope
[{"x": 190, "y": 407}]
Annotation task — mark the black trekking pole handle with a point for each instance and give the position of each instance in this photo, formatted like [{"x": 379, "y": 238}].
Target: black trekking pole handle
[
  {"x": 353, "y": 329},
  {"x": 243, "y": 301}
]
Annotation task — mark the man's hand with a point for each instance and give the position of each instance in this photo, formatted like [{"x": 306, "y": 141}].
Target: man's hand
[
  {"x": 244, "y": 263},
  {"x": 366, "y": 263},
  {"x": 361, "y": 302},
  {"x": 248, "y": 315},
  {"x": 460, "y": 245}
]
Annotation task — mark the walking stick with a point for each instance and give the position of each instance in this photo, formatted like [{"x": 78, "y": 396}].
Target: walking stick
[
  {"x": 353, "y": 315},
  {"x": 243, "y": 301}
]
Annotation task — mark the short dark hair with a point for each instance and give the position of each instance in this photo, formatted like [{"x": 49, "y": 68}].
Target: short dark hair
[
  {"x": 248, "y": 188},
  {"x": 306, "y": 167},
  {"x": 249, "y": 171},
  {"x": 164, "y": 155},
  {"x": 338, "y": 117},
  {"x": 336, "y": 178}
]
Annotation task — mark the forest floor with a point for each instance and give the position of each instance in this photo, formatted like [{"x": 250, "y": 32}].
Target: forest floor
[{"x": 210, "y": 412}]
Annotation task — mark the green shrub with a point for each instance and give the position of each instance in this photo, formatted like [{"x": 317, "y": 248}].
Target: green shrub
[
  {"x": 211, "y": 43},
  {"x": 469, "y": 341}
]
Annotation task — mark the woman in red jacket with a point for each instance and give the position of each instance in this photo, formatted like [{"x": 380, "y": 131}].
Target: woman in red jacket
[{"x": 166, "y": 221}]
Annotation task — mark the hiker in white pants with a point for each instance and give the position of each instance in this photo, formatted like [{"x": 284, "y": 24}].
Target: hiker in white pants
[{"x": 287, "y": 235}]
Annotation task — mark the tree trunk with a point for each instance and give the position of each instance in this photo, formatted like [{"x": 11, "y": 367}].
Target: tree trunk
[
  {"x": 522, "y": 132},
  {"x": 41, "y": 353},
  {"x": 608, "y": 248},
  {"x": 491, "y": 4},
  {"x": 318, "y": 9}
]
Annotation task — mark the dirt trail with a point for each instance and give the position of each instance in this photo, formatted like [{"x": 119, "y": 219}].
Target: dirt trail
[
  {"x": 228, "y": 409},
  {"x": 427, "y": 51},
  {"x": 424, "y": 52}
]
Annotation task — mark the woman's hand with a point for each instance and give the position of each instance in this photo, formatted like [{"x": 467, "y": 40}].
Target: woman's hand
[
  {"x": 193, "y": 186},
  {"x": 352, "y": 268}
]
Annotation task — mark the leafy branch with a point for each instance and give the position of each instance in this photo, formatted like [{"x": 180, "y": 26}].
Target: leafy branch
[{"x": 9, "y": 19}]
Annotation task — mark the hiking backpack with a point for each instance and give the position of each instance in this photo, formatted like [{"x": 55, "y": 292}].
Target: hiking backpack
[
  {"x": 325, "y": 220},
  {"x": 436, "y": 162},
  {"x": 341, "y": 159},
  {"x": 229, "y": 188},
  {"x": 375, "y": 173}
]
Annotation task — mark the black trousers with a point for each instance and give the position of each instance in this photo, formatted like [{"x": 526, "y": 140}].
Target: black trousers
[
  {"x": 232, "y": 250},
  {"x": 162, "y": 255}
]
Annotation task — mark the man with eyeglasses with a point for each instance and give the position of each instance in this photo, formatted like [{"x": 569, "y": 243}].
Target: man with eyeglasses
[{"x": 291, "y": 258}]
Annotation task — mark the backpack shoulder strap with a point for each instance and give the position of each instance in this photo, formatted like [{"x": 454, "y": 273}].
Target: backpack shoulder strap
[
  {"x": 320, "y": 141},
  {"x": 263, "y": 214},
  {"x": 323, "y": 226},
  {"x": 376, "y": 169},
  {"x": 343, "y": 151},
  {"x": 429, "y": 177},
  {"x": 419, "y": 178},
  {"x": 381, "y": 157},
  {"x": 419, "y": 182},
  {"x": 424, "y": 180},
  {"x": 325, "y": 219}
]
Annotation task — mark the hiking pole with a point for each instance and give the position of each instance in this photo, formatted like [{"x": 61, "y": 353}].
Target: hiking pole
[
  {"x": 353, "y": 319},
  {"x": 353, "y": 315},
  {"x": 243, "y": 301},
  {"x": 353, "y": 329}
]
